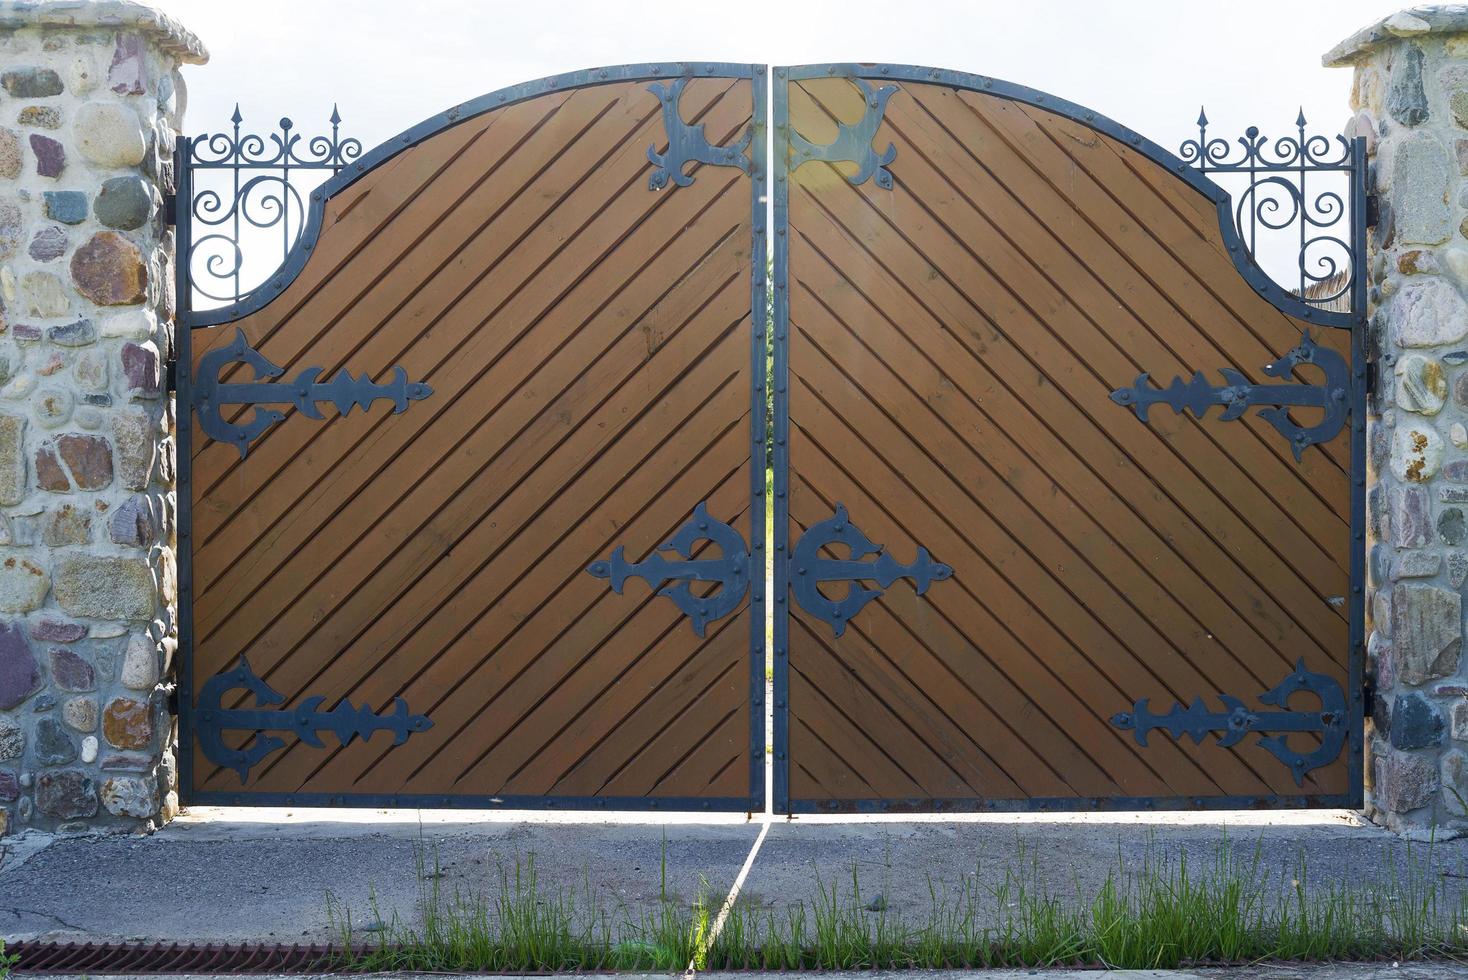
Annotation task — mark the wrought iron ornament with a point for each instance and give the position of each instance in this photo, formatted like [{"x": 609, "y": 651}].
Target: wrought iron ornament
[
  {"x": 1237, "y": 720},
  {"x": 853, "y": 143},
  {"x": 808, "y": 570},
  {"x": 730, "y": 569},
  {"x": 262, "y": 200},
  {"x": 343, "y": 391},
  {"x": 1275, "y": 195},
  {"x": 688, "y": 144},
  {"x": 306, "y": 721},
  {"x": 1237, "y": 395}
]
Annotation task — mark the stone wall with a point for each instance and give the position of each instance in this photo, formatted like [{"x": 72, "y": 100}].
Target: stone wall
[
  {"x": 88, "y": 112},
  {"x": 1410, "y": 99}
]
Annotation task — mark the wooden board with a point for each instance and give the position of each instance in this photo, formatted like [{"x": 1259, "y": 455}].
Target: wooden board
[
  {"x": 588, "y": 344},
  {"x": 953, "y": 343}
]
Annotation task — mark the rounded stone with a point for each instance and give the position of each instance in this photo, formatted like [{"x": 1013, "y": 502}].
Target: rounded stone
[
  {"x": 1420, "y": 176},
  {"x": 50, "y": 155},
  {"x": 109, "y": 270},
  {"x": 124, "y": 203},
  {"x": 130, "y": 796},
  {"x": 1406, "y": 98},
  {"x": 23, "y": 586},
  {"x": 12, "y": 228},
  {"x": 128, "y": 724},
  {"x": 54, "y": 746},
  {"x": 80, "y": 714},
  {"x": 53, "y": 406},
  {"x": 89, "y": 749},
  {"x": 1417, "y": 452},
  {"x": 1422, "y": 384},
  {"x": 68, "y": 207},
  {"x": 140, "y": 663},
  {"x": 1451, "y": 525},
  {"x": 82, "y": 74},
  {"x": 105, "y": 587},
  {"x": 32, "y": 82},
  {"x": 91, "y": 371},
  {"x": 109, "y": 134},
  {"x": 10, "y": 155},
  {"x": 12, "y": 739},
  {"x": 48, "y": 243},
  {"x": 1428, "y": 312},
  {"x": 70, "y": 672},
  {"x": 66, "y": 795},
  {"x": 44, "y": 116},
  {"x": 41, "y": 294}
]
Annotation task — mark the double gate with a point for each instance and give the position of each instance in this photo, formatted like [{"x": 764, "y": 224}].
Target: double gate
[{"x": 474, "y": 504}]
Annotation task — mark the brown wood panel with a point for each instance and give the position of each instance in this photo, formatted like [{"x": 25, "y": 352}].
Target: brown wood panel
[
  {"x": 953, "y": 344},
  {"x": 588, "y": 343}
]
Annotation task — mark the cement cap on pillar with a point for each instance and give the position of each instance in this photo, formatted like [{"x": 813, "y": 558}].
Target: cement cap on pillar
[
  {"x": 167, "y": 34},
  {"x": 1441, "y": 18}
]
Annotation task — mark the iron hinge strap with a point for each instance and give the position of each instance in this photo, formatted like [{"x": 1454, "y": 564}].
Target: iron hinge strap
[
  {"x": 170, "y": 374},
  {"x": 170, "y": 209},
  {"x": 1373, "y": 370},
  {"x": 1373, "y": 210}
]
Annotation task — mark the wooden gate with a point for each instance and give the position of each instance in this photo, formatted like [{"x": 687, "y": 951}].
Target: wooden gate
[
  {"x": 1067, "y": 493},
  {"x": 977, "y": 274},
  {"x": 541, "y": 302}
]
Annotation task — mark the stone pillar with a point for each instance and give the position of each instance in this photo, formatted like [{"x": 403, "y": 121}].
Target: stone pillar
[
  {"x": 87, "y": 573},
  {"x": 1410, "y": 99}
]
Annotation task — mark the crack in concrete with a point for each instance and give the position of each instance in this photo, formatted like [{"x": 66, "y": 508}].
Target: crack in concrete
[
  {"x": 20, "y": 849},
  {"x": 21, "y": 914}
]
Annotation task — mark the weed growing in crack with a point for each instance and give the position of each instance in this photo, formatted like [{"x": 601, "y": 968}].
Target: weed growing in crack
[{"x": 1166, "y": 909}]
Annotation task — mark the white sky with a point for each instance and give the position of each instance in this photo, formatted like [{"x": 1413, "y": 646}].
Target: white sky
[{"x": 1147, "y": 63}]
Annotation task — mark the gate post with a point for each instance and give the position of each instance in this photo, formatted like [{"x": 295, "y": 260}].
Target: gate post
[
  {"x": 91, "y": 105},
  {"x": 1410, "y": 99}
]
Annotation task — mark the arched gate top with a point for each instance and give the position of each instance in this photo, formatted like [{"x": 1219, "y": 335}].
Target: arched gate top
[
  {"x": 1292, "y": 155},
  {"x": 300, "y": 252}
]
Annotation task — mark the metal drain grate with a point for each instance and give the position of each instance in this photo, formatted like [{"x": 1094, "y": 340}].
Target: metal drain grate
[{"x": 94, "y": 958}]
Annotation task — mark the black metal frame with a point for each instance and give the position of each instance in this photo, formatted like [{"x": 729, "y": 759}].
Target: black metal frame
[
  {"x": 1305, "y": 157},
  {"x": 243, "y": 153}
]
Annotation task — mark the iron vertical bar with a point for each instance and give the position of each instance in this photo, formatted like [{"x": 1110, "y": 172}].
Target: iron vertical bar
[
  {"x": 237, "y": 206},
  {"x": 1304, "y": 203},
  {"x": 780, "y": 458},
  {"x": 759, "y": 549},
  {"x": 1356, "y": 706},
  {"x": 183, "y": 436}
]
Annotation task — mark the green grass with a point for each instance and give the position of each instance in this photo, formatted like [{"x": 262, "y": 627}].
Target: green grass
[
  {"x": 6, "y": 962},
  {"x": 1162, "y": 911}
]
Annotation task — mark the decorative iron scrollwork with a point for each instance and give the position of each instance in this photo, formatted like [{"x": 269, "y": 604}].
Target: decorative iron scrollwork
[
  {"x": 1274, "y": 196},
  {"x": 343, "y": 391},
  {"x": 808, "y": 570},
  {"x": 258, "y": 195},
  {"x": 853, "y": 143},
  {"x": 305, "y": 721},
  {"x": 730, "y": 569},
  {"x": 688, "y": 144},
  {"x": 1236, "y": 721},
  {"x": 1238, "y": 394}
]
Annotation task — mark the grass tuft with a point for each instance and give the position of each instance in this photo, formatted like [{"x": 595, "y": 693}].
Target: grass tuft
[{"x": 1166, "y": 910}]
